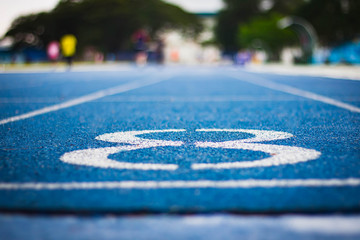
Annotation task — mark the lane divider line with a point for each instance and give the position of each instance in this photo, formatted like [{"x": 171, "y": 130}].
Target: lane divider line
[
  {"x": 250, "y": 183},
  {"x": 87, "y": 98},
  {"x": 260, "y": 81}
]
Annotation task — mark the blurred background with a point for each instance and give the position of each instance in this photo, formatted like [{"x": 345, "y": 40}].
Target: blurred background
[{"x": 189, "y": 32}]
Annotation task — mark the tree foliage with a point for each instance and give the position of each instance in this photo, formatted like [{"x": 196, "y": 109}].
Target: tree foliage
[
  {"x": 263, "y": 32},
  {"x": 236, "y": 12},
  {"x": 335, "y": 21},
  {"x": 104, "y": 24},
  {"x": 240, "y": 12}
]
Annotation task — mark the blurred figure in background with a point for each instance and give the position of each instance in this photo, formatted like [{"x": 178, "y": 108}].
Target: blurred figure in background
[
  {"x": 68, "y": 47},
  {"x": 53, "y": 51},
  {"x": 159, "y": 51},
  {"x": 140, "y": 39},
  {"x": 243, "y": 57}
]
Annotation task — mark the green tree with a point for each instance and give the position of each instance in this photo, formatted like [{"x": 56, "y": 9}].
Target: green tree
[
  {"x": 263, "y": 32},
  {"x": 235, "y": 12},
  {"x": 239, "y": 12},
  {"x": 104, "y": 24},
  {"x": 335, "y": 21}
]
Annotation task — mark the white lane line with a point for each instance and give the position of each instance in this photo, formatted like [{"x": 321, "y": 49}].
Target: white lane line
[
  {"x": 251, "y": 183},
  {"x": 29, "y": 100},
  {"x": 244, "y": 98},
  {"x": 90, "y": 97},
  {"x": 165, "y": 99},
  {"x": 260, "y": 81},
  {"x": 172, "y": 99},
  {"x": 337, "y": 72}
]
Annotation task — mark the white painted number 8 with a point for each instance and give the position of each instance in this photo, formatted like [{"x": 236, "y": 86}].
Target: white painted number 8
[{"x": 280, "y": 154}]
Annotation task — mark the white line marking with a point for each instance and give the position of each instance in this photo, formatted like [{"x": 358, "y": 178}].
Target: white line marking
[
  {"x": 292, "y": 90},
  {"x": 328, "y": 225},
  {"x": 99, "y": 157},
  {"x": 351, "y": 73},
  {"x": 170, "y": 99},
  {"x": 29, "y": 100},
  {"x": 281, "y": 154},
  {"x": 251, "y": 183},
  {"x": 87, "y": 98},
  {"x": 244, "y": 98}
]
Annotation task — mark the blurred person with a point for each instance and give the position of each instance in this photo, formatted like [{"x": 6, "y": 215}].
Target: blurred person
[
  {"x": 159, "y": 51},
  {"x": 140, "y": 39},
  {"x": 243, "y": 57},
  {"x": 99, "y": 57},
  {"x": 68, "y": 47},
  {"x": 53, "y": 51},
  {"x": 175, "y": 55}
]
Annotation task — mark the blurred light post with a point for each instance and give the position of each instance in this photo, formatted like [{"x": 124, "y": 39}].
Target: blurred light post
[{"x": 305, "y": 31}]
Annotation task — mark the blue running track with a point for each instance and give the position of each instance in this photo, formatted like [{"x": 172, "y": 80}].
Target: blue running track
[{"x": 178, "y": 140}]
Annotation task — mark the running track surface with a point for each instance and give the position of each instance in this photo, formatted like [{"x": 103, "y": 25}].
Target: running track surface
[{"x": 178, "y": 140}]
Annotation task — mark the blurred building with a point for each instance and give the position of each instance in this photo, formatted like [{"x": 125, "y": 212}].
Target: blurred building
[
  {"x": 183, "y": 49},
  {"x": 5, "y": 50},
  {"x": 28, "y": 54}
]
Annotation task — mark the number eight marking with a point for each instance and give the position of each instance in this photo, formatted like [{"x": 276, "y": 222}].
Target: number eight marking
[{"x": 280, "y": 154}]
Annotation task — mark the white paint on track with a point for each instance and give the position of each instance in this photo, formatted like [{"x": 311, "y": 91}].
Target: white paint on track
[
  {"x": 280, "y": 154},
  {"x": 251, "y": 183},
  {"x": 130, "y": 137},
  {"x": 193, "y": 99},
  {"x": 263, "y": 82},
  {"x": 260, "y": 135},
  {"x": 337, "y": 72},
  {"x": 99, "y": 157},
  {"x": 90, "y": 97}
]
